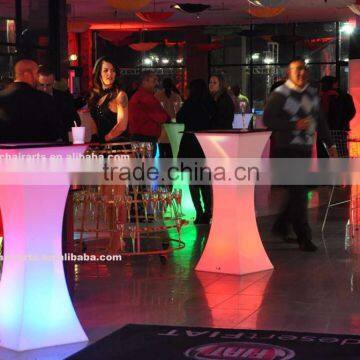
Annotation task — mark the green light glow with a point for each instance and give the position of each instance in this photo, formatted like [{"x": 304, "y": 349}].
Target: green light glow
[
  {"x": 310, "y": 195},
  {"x": 186, "y": 203}
]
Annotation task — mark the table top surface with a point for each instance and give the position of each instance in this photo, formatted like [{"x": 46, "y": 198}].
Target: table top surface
[
  {"x": 233, "y": 131},
  {"x": 24, "y": 145}
]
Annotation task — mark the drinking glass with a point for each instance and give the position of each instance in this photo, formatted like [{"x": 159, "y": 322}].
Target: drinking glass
[
  {"x": 128, "y": 203},
  {"x": 178, "y": 199},
  {"x": 179, "y": 224},
  {"x": 121, "y": 229},
  {"x": 132, "y": 232},
  {"x": 149, "y": 150},
  {"x": 146, "y": 199}
]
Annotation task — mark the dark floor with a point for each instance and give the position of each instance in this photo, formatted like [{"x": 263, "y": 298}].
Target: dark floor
[{"x": 313, "y": 292}]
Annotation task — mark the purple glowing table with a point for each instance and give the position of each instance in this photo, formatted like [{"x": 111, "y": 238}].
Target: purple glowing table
[
  {"x": 35, "y": 307},
  {"x": 234, "y": 245}
]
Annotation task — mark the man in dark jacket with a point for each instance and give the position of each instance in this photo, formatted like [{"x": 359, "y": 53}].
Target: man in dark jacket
[
  {"x": 64, "y": 102},
  {"x": 293, "y": 112},
  {"x": 26, "y": 114},
  {"x": 339, "y": 109}
]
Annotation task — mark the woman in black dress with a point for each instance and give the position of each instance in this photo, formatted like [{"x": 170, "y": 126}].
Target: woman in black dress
[
  {"x": 108, "y": 104},
  {"x": 224, "y": 105},
  {"x": 197, "y": 113},
  {"x": 108, "y": 107}
]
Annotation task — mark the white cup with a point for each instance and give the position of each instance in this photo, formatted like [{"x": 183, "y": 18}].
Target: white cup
[{"x": 78, "y": 134}]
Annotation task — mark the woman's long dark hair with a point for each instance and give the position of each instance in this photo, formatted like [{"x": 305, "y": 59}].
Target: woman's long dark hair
[
  {"x": 198, "y": 90},
  {"x": 98, "y": 92},
  {"x": 222, "y": 86}
]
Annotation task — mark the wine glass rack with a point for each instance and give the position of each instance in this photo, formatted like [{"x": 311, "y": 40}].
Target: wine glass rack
[{"x": 133, "y": 220}]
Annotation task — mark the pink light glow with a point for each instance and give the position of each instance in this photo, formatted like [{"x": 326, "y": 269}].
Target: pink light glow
[
  {"x": 234, "y": 245},
  {"x": 354, "y": 89},
  {"x": 125, "y": 26},
  {"x": 35, "y": 307}
]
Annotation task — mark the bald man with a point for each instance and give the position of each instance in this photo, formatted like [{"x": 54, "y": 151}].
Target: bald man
[
  {"x": 26, "y": 71},
  {"x": 27, "y": 114}
]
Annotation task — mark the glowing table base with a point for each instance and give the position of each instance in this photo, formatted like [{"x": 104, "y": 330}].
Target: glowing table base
[
  {"x": 234, "y": 245},
  {"x": 174, "y": 132},
  {"x": 35, "y": 307}
]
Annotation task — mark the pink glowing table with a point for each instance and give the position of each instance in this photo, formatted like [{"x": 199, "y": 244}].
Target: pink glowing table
[
  {"x": 35, "y": 307},
  {"x": 234, "y": 245}
]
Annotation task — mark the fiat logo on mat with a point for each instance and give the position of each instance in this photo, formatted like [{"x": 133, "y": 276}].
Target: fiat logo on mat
[{"x": 239, "y": 350}]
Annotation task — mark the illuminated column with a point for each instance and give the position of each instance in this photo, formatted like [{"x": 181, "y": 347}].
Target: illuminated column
[
  {"x": 234, "y": 245},
  {"x": 35, "y": 306}
]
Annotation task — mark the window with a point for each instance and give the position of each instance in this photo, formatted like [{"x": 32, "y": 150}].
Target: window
[
  {"x": 270, "y": 47},
  {"x": 274, "y": 43},
  {"x": 317, "y": 42}
]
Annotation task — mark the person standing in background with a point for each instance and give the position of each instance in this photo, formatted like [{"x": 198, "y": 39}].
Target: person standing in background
[
  {"x": 26, "y": 114},
  {"x": 146, "y": 115},
  {"x": 171, "y": 102},
  {"x": 197, "y": 113},
  {"x": 241, "y": 102},
  {"x": 169, "y": 99},
  {"x": 108, "y": 104},
  {"x": 64, "y": 102},
  {"x": 293, "y": 112},
  {"x": 224, "y": 105},
  {"x": 339, "y": 109}
]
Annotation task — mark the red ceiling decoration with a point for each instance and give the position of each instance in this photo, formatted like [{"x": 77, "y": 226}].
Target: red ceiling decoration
[
  {"x": 266, "y": 12},
  {"x": 314, "y": 44},
  {"x": 174, "y": 43},
  {"x": 154, "y": 16},
  {"x": 143, "y": 46},
  {"x": 117, "y": 38}
]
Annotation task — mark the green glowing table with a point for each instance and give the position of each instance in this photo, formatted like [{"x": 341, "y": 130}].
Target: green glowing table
[{"x": 174, "y": 132}]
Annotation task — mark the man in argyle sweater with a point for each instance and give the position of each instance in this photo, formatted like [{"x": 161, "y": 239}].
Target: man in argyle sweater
[{"x": 293, "y": 112}]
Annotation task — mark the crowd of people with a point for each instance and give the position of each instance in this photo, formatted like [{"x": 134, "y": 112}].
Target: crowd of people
[{"x": 32, "y": 110}]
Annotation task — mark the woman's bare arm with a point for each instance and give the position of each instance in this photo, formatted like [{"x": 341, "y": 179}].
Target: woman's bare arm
[{"x": 122, "y": 116}]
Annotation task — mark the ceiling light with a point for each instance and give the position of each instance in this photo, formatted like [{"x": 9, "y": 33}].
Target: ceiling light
[
  {"x": 154, "y": 58},
  {"x": 255, "y": 56},
  {"x": 165, "y": 61},
  {"x": 268, "y": 60},
  {"x": 147, "y": 61},
  {"x": 191, "y": 8},
  {"x": 348, "y": 28},
  {"x": 73, "y": 57},
  {"x": 179, "y": 61}
]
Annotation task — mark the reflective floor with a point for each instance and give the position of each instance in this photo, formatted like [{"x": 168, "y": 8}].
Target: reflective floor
[{"x": 312, "y": 292}]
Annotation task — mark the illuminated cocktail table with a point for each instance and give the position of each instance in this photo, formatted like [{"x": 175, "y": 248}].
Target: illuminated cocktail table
[
  {"x": 35, "y": 307},
  {"x": 175, "y": 133},
  {"x": 234, "y": 245}
]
